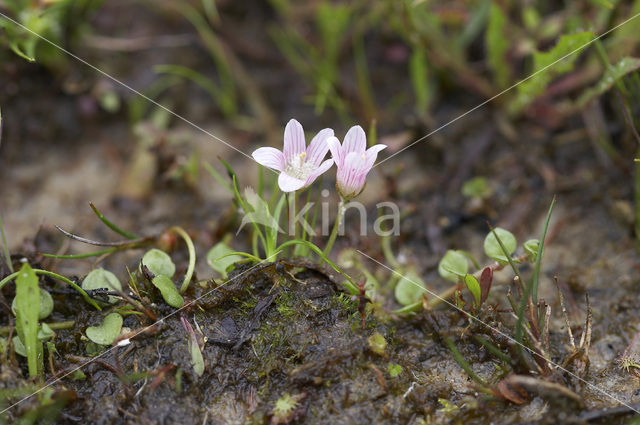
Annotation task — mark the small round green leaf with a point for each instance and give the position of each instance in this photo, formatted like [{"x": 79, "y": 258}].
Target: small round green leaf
[
  {"x": 46, "y": 305},
  {"x": 394, "y": 370},
  {"x": 219, "y": 259},
  {"x": 377, "y": 343},
  {"x": 159, "y": 263},
  {"x": 107, "y": 332},
  {"x": 168, "y": 290},
  {"x": 102, "y": 279},
  {"x": 45, "y": 332},
  {"x": 493, "y": 249},
  {"x": 453, "y": 266},
  {"x": 531, "y": 249},
  {"x": 18, "y": 346},
  {"x": 409, "y": 289}
]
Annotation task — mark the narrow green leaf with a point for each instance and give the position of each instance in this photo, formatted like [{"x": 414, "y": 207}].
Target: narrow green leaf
[
  {"x": 111, "y": 225},
  {"x": 27, "y": 311},
  {"x": 497, "y": 44},
  {"x": 5, "y": 247},
  {"x": 218, "y": 177},
  {"x": 474, "y": 287},
  {"x": 418, "y": 71},
  {"x": 197, "y": 361},
  {"x": 614, "y": 73},
  {"x": 536, "y": 270},
  {"x": 548, "y": 65}
]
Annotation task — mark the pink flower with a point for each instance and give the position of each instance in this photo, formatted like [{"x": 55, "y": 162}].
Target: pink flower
[
  {"x": 354, "y": 161},
  {"x": 298, "y": 164}
]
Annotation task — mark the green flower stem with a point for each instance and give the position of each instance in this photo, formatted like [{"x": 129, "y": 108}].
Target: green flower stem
[
  {"x": 55, "y": 276},
  {"x": 292, "y": 212},
  {"x": 385, "y": 245},
  {"x": 68, "y": 324},
  {"x": 336, "y": 227},
  {"x": 292, "y": 226},
  {"x": 261, "y": 181},
  {"x": 192, "y": 257}
]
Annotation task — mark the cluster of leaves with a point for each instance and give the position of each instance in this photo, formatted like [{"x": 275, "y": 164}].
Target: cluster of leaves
[
  {"x": 528, "y": 352},
  {"x": 54, "y": 20},
  {"x": 521, "y": 43},
  {"x": 499, "y": 245}
]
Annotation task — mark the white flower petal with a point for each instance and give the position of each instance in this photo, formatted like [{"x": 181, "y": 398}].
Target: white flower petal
[
  {"x": 352, "y": 176},
  {"x": 355, "y": 140},
  {"x": 336, "y": 151},
  {"x": 289, "y": 184},
  {"x": 269, "y": 157},
  {"x": 372, "y": 154},
  {"x": 318, "y": 171},
  {"x": 294, "y": 143},
  {"x": 318, "y": 146}
]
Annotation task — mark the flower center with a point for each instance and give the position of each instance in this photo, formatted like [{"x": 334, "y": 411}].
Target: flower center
[{"x": 299, "y": 168}]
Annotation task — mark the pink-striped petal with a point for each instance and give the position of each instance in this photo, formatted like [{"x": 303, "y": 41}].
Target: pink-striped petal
[
  {"x": 372, "y": 154},
  {"x": 318, "y": 171},
  {"x": 336, "y": 151},
  {"x": 355, "y": 140},
  {"x": 288, "y": 183},
  {"x": 269, "y": 157},
  {"x": 352, "y": 176},
  {"x": 294, "y": 143},
  {"x": 318, "y": 147}
]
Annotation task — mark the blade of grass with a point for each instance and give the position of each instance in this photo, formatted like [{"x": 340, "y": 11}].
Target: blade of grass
[
  {"x": 76, "y": 256},
  {"x": 217, "y": 177},
  {"x": 536, "y": 270},
  {"x": 525, "y": 290},
  {"x": 462, "y": 362},
  {"x": 5, "y": 247},
  {"x": 111, "y": 225},
  {"x": 493, "y": 349}
]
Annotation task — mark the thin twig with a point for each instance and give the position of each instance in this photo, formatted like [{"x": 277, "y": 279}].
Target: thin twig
[{"x": 98, "y": 243}]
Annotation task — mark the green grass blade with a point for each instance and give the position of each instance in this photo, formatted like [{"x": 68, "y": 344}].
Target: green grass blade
[
  {"x": 462, "y": 362},
  {"x": 536, "y": 270},
  {"x": 218, "y": 177},
  {"x": 76, "y": 256},
  {"x": 5, "y": 247},
  {"x": 111, "y": 225}
]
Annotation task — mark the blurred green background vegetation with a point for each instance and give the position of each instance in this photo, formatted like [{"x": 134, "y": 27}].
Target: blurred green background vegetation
[{"x": 388, "y": 62}]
